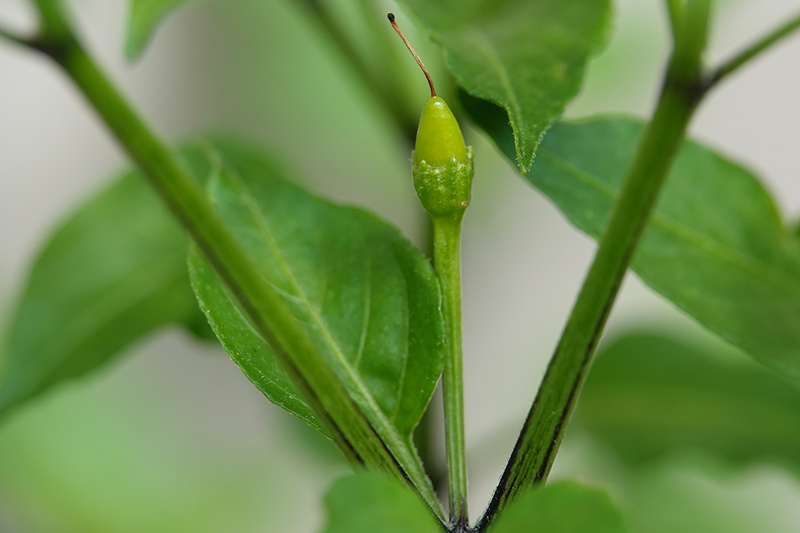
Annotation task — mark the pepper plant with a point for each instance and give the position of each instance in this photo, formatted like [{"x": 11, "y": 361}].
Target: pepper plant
[{"x": 337, "y": 318}]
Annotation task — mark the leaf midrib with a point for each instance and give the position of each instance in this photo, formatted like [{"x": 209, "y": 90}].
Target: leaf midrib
[
  {"x": 512, "y": 106},
  {"x": 483, "y": 45},
  {"x": 387, "y": 427}
]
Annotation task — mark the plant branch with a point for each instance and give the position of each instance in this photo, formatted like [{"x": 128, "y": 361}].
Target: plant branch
[
  {"x": 754, "y": 50},
  {"x": 54, "y": 26},
  {"x": 350, "y": 426},
  {"x": 541, "y": 436},
  {"x": 674, "y": 9},
  {"x": 14, "y": 38},
  {"x": 447, "y": 261}
]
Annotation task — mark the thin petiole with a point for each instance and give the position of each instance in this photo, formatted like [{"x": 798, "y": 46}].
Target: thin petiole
[
  {"x": 752, "y": 51},
  {"x": 14, "y": 38}
]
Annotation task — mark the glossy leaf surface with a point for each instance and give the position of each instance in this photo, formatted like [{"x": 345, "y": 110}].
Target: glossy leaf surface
[
  {"x": 369, "y": 502},
  {"x": 715, "y": 246},
  {"x": 112, "y": 273},
  {"x": 366, "y": 298},
  {"x": 648, "y": 395},
  {"x": 528, "y": 57},
  {"x": 563, "y": 507},
  {"x": 143, "y": 20}
]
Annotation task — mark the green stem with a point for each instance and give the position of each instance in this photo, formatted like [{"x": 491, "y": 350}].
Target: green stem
[
  {"x": 674, "y": 9},
  {"x": 345, "y": 421},
  {"x": 541, "y": 436},
  {"x": 754, "y": 50},
  {"x": 54, "y": 26},
  {"x": 447, "y": 261},
  {"x": 186, "y": 199}
]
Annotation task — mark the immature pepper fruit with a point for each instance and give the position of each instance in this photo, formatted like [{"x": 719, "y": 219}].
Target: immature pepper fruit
[
  {"x": 442, "y": 165},
  {"x": 442, "y": 162}
]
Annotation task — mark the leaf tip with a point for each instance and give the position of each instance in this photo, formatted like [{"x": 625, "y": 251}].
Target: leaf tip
[{"x": 525, "y": 155}]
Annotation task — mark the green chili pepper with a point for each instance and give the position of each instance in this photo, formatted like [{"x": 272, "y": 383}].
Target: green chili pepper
[
  {"x": 442, "y": 170},
  {"x": 442, "y": 162}
]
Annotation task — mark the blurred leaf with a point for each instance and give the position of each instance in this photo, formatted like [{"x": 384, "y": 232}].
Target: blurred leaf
[
  {"x": 367, "y": 299},
  {"x": 112, "y": 273},
  {"x": 563, "y": 507},
  {"x": 368, "y": 502},
  {"x": 715, "y": 246},
  {"x": 122, "y": 455},
  {"x": 648, "y": 395},
  {"x": 687, "y": 492},
  {"x": 528, "y": 57},
  {"x": 143, "y": 19}
]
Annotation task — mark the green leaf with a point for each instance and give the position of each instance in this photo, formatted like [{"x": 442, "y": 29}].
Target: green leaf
[
  {"x": 112, "y": 273},
  {"x": 144, "y": 18},
  {"x": 257, "y": 362},
  {"x": 563, "y": 507},
  {"x": 648, "y": 394},
  {"x": 366, "y": 298},
  {"x": 715, "y": 246},
  {"x": 368, "y": 502},
  {"x": 528, "y": 57}
]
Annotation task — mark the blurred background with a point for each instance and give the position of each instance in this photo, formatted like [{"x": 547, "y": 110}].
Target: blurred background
[{"x": 172, "y": 438}]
